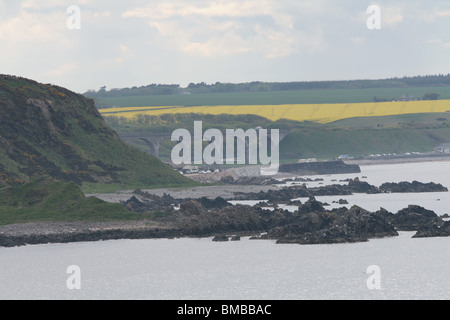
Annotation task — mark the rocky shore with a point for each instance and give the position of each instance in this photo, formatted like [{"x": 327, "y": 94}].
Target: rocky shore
[
  {"x": 211, "y": 215},
  {"x": 310, "y": 224}
]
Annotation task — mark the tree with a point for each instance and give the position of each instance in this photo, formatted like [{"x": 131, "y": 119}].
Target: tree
[{"x": 431, "y": 96}]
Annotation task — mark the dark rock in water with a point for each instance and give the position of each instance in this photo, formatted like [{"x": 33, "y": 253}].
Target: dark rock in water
[
  {"x": 411, "y": 187},
  {"x": 286, "y": 194},
  {"x": 342, "y": 201},
  {"x": 337, "y": 226},
  {"x": 235, "y": 238},
  {"x": 433, "y": 230},
  {"x": 221, "y": 239},
  {"x": 197, "y": 221},
  {"x": 357, "y": 186},
  {"x": 332, "y": 190},
  {"x": 334, "y": 234},
  {"x": 413, "y": 218},
  {"x": 445, "y": 216},
  {"x": 365, "y": 223}
]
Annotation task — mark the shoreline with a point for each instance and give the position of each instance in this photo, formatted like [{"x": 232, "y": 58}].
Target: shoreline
[{"x": 39, "y": 233}]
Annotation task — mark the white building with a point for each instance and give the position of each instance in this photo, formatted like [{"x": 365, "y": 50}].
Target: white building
[{"x": 443, "y": 148}]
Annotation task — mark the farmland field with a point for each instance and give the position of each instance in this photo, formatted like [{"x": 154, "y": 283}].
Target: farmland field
[
  {"x": 323, "y": 113},
  {"x": 312, "y": 96}
]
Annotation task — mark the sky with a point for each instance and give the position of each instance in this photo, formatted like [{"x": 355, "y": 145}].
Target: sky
[{"x": 121, "y": 44}]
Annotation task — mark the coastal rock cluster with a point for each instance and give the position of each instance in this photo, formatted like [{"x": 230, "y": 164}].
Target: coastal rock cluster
[
  {"x": 354, "y": 186},
  {"x": 310, "y": 224}
]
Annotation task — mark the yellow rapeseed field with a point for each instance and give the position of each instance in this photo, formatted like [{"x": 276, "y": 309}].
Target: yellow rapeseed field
[{"x": 323, "y": 113}]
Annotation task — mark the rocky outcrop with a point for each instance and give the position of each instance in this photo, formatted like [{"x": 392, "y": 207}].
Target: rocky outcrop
[
  {"x": 311, "y": 206},
  {"x": 166, "y": 203},
  {"x": 335, "y": 234},
  {"x": 311, "y": 224},
  {"x": 413, "y": 218},
  {"x": 221, "y": 239},
  {"x": 357, "y": 186},
  {"x": 337, "y": 226},
  {"x": 192, "y": 208},
  {"x": 412, "y": 187},
  {"x": 431, "y": 230},
  {"x": 217, "y": 203},
  {"x": 148, "y": 204},
  {"x": 286, "y": 194}
]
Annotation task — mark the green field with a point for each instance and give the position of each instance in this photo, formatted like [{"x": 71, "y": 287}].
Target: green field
[{"x": 273, "y": 98}]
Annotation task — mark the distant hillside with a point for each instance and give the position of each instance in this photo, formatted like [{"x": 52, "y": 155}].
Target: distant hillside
[
  {"x": 275, "y": 93},
  {"x": 46, "y": 129},
  {"x": 356, "y": 137},
  {"x": 257, "y": 86}
]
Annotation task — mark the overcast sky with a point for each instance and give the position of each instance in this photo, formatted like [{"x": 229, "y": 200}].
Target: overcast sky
[{"x": 135, "y": 42}]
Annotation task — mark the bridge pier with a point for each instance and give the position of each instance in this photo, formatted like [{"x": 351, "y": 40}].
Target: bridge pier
[
  {"x": 152, "y": 140},
  {"x": 153, "y": 145}
]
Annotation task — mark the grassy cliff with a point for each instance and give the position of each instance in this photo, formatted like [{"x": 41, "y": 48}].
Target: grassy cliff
[{"x": 46, "y": 129}]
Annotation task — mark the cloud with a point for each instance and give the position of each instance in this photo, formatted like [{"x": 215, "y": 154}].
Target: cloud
[
  {"x": 225, "y": 28},
  {"x": 164, "y": 10},
  {"x": 392, "y": 16},
  {"x": 174, "y": 41}
]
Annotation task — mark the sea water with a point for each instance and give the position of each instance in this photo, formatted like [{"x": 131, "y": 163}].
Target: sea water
[{"x": 189, "y": 269}]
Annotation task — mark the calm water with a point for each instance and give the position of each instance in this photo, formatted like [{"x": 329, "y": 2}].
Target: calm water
[{"x": 202, "y": 269}]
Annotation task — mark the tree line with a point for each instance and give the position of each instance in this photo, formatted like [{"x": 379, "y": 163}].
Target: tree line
[{"x": 257, "y": 86}]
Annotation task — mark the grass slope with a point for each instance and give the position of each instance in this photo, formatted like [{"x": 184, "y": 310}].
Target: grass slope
[
  {"x": 44, "y": 199},
  {"x": 46, "y": 129}
]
